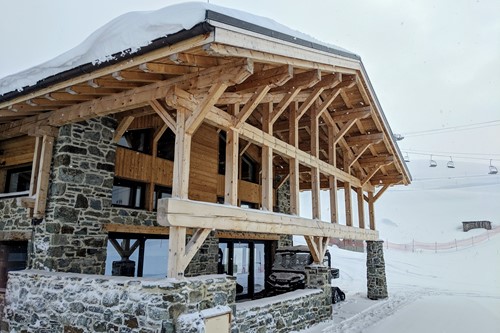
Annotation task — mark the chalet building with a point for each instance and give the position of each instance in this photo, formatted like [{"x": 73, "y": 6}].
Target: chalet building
[{"x": 201, "y": 138}]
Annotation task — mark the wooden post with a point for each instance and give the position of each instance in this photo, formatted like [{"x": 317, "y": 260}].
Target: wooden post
[
  {"x": 332, "y": 180},
  {"x": 293, "y": 162},
  {"x": 371, "y": 210},
  {"x": 267, "y": 161},
  {"x": 176, "y": 251},
  {"x": 361, "y": 208},
  {"x": 180, "y": 184},
  {"x": 231, "y": 176},
  {"x": 315, "y": 175},
  {"x": 43, "y": 176},
  {"x": 347, "y": 192}
]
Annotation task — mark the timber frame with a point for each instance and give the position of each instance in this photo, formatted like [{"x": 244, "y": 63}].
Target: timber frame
[{"x": 310, "y": 113}]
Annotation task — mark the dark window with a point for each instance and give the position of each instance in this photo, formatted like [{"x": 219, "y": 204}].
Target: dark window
[
  {"x": 166, "y": 145},
  {"x": 161, "y": 192},
  {"x": 18, "y": 179},
  {"x": 128, "y": 193},
  {"x": 13, "y": 257},
  {"x": 137, "y": 140},
  {"x": 248, "y": 169}
]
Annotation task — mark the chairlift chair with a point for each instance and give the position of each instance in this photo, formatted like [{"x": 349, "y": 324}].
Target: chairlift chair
[
  {"x": 432, "y": 163},
  {"x": 450, "y": 164},
  {"x": 493, "y": 169}
]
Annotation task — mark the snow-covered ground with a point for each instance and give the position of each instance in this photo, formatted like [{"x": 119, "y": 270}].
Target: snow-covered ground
[{"x": 449, "y": 291}]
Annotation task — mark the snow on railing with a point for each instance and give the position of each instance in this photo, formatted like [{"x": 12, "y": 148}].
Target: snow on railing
[{"x": 438, "y": 246}]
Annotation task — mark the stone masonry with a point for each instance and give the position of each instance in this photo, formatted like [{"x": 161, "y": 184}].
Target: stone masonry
[
  {"x": 375, "y": 264},
  {"x": 292, "y": 311},
  {"x": 71, "y": 239},
  {"x": 46, "y": 302}
]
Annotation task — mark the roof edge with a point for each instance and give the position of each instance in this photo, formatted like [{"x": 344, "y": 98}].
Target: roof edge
[{"x": 199, "y": 29}]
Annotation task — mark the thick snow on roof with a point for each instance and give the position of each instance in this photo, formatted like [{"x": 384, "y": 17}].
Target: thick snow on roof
[{"x": 129, "y": 32}]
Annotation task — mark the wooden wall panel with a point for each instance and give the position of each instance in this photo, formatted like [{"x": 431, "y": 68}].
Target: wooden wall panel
[
  {"x": 204, "y": 164},
  {"x": 133, "y": 165},
  {"x": 247, "y": 191},
  {"x": 17, "y": 151}
]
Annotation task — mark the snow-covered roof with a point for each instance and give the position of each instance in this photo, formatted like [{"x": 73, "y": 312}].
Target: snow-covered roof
[{"x": 129, "y": 33}]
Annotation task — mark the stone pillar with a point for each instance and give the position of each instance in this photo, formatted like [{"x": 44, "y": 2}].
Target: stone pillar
[
  {"x": 318, "y": 277},
  {"x": 205, "y": 260},
  {"x": 71, "y": 236},
  {"x": 283, "y": 206},
  {"x": 375, "y": 264}
]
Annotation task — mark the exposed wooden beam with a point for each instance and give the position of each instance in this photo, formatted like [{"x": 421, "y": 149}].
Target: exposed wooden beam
[
  {"x": 267, "y": 162},
  {"x": 380, "y": 192},
  {"x": 163, "y": 113},
  {"x": 293, "y": 163},
  {"x": 380, "y": 159},
  {"x": 364, "y": 139},
  {"x": 358, "y": 154},
  {"x": 343, "y": 130},
  {"x": 198, "y": 115},
  {"x": 371, "y": 210},
  {"x": 231, "y": 168},
  {"x": 192, "y": 214},
  {"x": 273, "y": 77},
  {"x": 250, "y": 106},
  {"x": 304, "y": 80},
  {"x": 361, "y": 208},
  {"x": 194, "y": 244},
  {"x": 357, "y": 113},
  {"x": 180, "y": 185},
  {"x": 284, "y": 103},
  {"x": 122, "y": 128}
]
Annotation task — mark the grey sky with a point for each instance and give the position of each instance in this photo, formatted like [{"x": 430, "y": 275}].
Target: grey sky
[{"x": 433, "y": 63}]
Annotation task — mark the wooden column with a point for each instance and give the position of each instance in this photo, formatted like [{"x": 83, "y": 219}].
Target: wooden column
[
  {"x": 231, "y": 176},
  {"x": 315, "y": 176},
  {"x": 176, "y": 252},
  {"x": 42, "y": 186},
  {"x": 332, "y": 180},
  {"x": 182, "y": 156},
  {"x": 361, "y": 208},
  {"x": 347, "y": 192},
  {"x": 293, "y": 162},
  {"x": 371, "y": 210},
  {"x": 267, "y": 161}
]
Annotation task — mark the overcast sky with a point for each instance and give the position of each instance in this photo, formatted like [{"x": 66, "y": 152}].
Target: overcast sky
[{"x": 433, "y": 64}]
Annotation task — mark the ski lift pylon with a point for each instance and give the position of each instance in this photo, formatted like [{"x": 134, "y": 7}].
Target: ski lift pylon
[
  {"x": 493, "y": 169},
  {"x": 432, "y": 163},
  {"x": 450, "y": 164}
]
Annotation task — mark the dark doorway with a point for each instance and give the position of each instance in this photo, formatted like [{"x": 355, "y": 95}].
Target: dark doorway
[{"x": 249, "y": 262}]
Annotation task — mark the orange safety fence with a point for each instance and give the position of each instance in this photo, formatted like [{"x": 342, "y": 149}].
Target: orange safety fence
[{"x": 440, "y": 246}]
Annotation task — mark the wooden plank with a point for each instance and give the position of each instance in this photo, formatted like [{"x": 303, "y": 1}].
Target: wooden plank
[
  {"x": 359, "y": 140},
  {"x": 43, "y": 177},
  {"x": 245, "y": 235},
  {"x": 347, "y": 115},
  {"x": 302, "y": 80},
  {"x": 35, "y": 166},
  {"x": 347, "y": 193},
  {"x": 380, "y": 192},
  {"x": 343, "y": 130},
  {"x": 122, "y": 128},
  {"x": 283, "y": 104},
  {"x": 332, "y": 180},
  {"x": 315, "y": 174},
  {"x": 193, "y": 214},
  {"x": 136, "y": 229},
  {"x": 313, "y": 248},
  {"x": 304, "y": 107}
]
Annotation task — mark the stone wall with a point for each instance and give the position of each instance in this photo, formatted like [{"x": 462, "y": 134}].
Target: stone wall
[
  {"x": 205, "y": 260},
  {"x": 75, "y": 303},
  {"x": 375, "y": 275},
  {"x": 71, "y": 239},
  {"x": 13, "y": 217},
  {"x": 292, "y": 311}
]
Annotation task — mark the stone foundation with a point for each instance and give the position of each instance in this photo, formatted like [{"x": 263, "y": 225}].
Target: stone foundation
[
  {"x": 39, "y": 301},
  {"x": 292, "y": 311},
  {"x": 375, "y": 264}
]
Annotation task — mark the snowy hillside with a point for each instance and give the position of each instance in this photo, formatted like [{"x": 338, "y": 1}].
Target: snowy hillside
[{"x": 455, "y": 290}]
